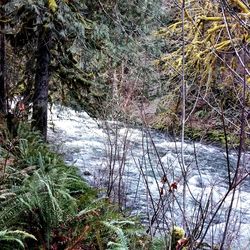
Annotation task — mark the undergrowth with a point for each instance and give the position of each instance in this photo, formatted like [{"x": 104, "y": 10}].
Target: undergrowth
[{"x": 45, "y": 204}]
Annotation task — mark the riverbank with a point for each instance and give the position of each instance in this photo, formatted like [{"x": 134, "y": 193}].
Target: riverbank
[
  {"x": 45, "y": 204},
  {"x": 129, "y": 163},
  {"x": 203, "y": 125}
]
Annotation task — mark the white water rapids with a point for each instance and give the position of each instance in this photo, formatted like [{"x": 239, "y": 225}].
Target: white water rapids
[{"x": 132, "y": 162}]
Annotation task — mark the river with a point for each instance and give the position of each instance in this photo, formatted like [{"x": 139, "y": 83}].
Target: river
[{"x": 144, "y": 172}]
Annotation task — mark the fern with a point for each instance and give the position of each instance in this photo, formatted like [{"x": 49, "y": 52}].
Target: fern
[
  {"x": 7, "y": 236},
  {"x": 117, "y": 227},
  {"x": 159, "y": 243},
  {"x": 51, "y": 200},
  {"x": 44, "y": 198}
]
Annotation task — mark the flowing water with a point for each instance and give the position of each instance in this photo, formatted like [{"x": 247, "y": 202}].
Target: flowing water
[{"x": 138, "y": 164}]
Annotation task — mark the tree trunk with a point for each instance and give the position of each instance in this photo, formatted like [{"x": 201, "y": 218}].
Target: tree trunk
[
  {"x": 3, "y": 105},
  {"x": 40, "y": 98}
]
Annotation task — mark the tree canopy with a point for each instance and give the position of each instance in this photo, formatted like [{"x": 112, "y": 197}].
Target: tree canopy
[{"x": 85, "y": 42}]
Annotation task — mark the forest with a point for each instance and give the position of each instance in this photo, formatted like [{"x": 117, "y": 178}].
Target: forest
[{"x": 162, "y": 86}]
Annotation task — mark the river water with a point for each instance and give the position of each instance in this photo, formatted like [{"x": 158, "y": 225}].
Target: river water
[{"x": 144, "y": 172}]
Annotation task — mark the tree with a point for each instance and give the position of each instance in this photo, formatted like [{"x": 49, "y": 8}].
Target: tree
[
  {"x": 3, "y": 107},
  {"x": 40, "y": 98},
  {"x": 87, "y": 41},
  {"x": 216, "y": 36},
  {"x": 46, "y": 24}
]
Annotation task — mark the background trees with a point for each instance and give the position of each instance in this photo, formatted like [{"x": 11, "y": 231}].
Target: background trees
[
  {"x": 105, "y": 49},
  {"x": 81, "y": 48},
  {"x": 216, "y": 55},
  {"x": 33, "y": 30}
]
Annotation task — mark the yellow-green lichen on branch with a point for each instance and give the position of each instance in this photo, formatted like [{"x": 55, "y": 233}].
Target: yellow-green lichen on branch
[
  {"x": 212, "y": 57},
  {"x": 52, "y": 5}
]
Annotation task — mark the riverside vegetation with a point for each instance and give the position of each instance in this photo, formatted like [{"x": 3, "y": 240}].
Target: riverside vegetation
[
  {"x": 47, "y": 205},
  {"x": 180, "y": 66}
]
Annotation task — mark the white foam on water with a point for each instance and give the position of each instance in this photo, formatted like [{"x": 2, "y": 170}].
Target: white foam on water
[{"x": 91, "y": 145}]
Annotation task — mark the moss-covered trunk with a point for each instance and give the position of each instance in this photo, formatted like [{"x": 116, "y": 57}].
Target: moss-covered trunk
[
  {"x": 3, "y": 105},
  {"x": 40, "y": 98}
]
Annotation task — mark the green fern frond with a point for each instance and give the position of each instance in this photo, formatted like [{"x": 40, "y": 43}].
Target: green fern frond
[
  {"x": 122, "y": 241},
  {"x": 15, "y": 236},
  {"x": 51, "y": 195}
]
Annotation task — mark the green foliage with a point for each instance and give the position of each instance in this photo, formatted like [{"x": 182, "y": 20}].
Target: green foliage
[
  {"x": 8, "y": 238},
  {"x": 159, "y": 243},
  {"x": 52, "y": 202},
  {"x": 66, "y": 23},
  {"x": 176, "y": 234},
  {"x": 211, "y": 59},
  {"x": 89, "y": 40},
  {"x": 116, "y": 226},
  {"x": 169, "y": 241}
]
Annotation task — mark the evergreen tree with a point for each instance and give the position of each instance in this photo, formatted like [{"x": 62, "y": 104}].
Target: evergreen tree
[
  {"x": 67, "y": 50},
  {"x": 2, "y": 63},
  {"x": 40, "y": 99}
]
